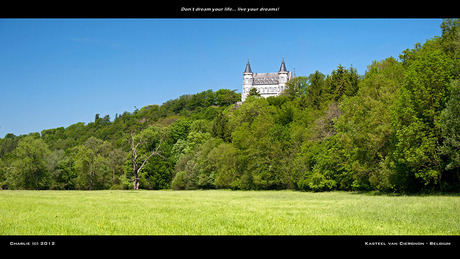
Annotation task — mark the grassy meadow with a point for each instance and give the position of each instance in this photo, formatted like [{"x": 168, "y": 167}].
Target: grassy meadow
[{"x": 223, "y": 212}]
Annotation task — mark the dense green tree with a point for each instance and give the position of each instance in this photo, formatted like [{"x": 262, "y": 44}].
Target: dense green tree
[
  {"x": 451, "y": 42},
  {"x": 409, "y": 55},
  {"x": 342, "y": 82},
  {"x": 320, "y": 166},
  {"x": 284, "y": 113},
  {"x": 262, "y": 134},
  {"x": 365, "y": 129},
  {"x": 2, "y": 173},
  {"x": 296, "y": 87},
  {"x": 450, "y": 127},
  {"x": 416, "y": 118},
  {"x": 224, "y": 161},
  {"x": 60, "y": 169},
  {"x": 91, "y": 164},
  {"x": 225, "y": 97},
  {"x": 179, "y": 130},
  {"x": 314, "y": 96},
  {"x": 220, "y": 127},
  {"x": 8, "y": 144},
  {"x": 29, "y": 169},
  {"x": 253, "y": 92},
  {"x": 186, "y": 175},
  {"x": 115, "y": 163}
]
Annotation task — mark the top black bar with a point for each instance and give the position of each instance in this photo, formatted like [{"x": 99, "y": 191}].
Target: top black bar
[{"x": 226, "y": 9}]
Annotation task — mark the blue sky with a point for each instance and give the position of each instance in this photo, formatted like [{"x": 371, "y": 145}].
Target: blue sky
[{"x": 57, "y": 72}]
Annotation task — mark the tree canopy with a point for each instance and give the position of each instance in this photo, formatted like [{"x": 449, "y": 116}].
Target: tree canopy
[{"x": 396, "y": 128}]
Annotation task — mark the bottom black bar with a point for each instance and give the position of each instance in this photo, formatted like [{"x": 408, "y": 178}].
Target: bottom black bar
[{"x": 227, "y": 245}]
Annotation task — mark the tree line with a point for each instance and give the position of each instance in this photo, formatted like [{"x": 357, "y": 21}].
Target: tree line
[{"x": 394, "y": 129}]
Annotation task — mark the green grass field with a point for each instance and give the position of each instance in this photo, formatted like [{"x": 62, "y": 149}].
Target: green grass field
[{"x": 222, "y": 212}]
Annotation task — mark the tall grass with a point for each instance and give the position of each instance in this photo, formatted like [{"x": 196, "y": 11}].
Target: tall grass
[{"x": 221, "y": 212}]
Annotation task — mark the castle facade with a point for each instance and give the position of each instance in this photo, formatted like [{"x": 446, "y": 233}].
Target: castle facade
[{"x": 267, "y": 84}]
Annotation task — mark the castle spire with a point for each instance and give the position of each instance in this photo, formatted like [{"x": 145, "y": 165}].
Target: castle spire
[
  {"x": 248, "y": 68},
  {"x": 283, "y": 67}
]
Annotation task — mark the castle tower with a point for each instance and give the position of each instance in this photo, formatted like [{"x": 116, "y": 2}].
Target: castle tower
[
  {"x": 267, "y": 84},
  {"x": 284, "y": 75},
  {"x": 247, "y": 81}
]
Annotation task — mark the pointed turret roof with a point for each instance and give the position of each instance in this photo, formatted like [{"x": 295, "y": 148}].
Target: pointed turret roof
[
  {"x": 248, "y": 68},
  {"x": 283, "y": 67}
]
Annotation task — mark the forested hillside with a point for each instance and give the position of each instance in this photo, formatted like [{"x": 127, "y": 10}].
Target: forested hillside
[{"x": 396, "y": 128}]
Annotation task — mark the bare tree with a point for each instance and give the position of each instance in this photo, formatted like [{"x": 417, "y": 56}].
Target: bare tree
[
  {"x": 324, "y": 126},
  {"x": 138, "y": 164}
]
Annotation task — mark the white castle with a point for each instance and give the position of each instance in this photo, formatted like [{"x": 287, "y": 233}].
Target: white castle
[{"x": 267, "y": 84}]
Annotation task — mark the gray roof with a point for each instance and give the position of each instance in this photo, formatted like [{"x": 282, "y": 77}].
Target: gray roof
[
  {"x": 283, "y": 67},
  {"x": 266, "y": 78},
  {"x": 248, "y": 68}
]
